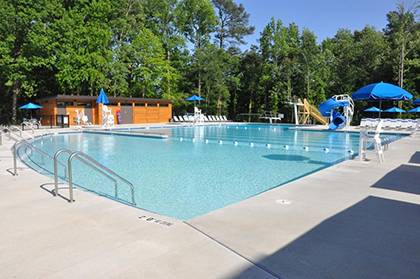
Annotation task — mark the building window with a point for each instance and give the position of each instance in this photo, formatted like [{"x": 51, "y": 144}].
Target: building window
[{"x": 64, "y": 104}]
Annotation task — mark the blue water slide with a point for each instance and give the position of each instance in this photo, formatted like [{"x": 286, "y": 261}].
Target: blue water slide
[
  {"x": 338, "y": 121},
  {"x": 327, "y": 109}
]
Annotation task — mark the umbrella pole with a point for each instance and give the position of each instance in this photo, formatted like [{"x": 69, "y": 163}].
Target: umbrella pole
[{"x": 380, "y": 108}]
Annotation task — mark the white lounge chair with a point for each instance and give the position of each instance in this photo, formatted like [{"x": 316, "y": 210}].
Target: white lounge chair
[
  {"x": 405, "y": 124},
  {"x": 387, "y": 124},
  {"x": 363, "y": 123}
]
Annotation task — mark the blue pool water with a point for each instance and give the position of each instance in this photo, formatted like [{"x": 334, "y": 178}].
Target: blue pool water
[{"x": 199, "y": 169}]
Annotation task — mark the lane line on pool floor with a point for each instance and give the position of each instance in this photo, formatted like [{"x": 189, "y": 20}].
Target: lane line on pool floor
[{"x": 259, "y": 266}]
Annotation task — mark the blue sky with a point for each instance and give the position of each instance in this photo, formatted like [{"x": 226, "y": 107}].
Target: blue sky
[{"x": 323, "y": 17}]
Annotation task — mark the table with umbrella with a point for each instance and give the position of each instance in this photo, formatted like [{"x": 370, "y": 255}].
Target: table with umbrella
[
  {"x": 373, "y": 109},
  {"x": 415, "y": 110},
  {"x": 31, "y": 107},
  {"x": 394, "y": 110},
  {"x": 381, "y": 91},
  {"x": 197, "y": 112}
]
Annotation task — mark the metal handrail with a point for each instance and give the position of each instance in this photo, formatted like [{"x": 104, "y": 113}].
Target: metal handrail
[
  {"x": 92, "y": 162},
  {"x": 21, "y": 131},
  {"x": 68, "y": 169},
  {"x": 33, "y": 148},
  {"x": 70, "y": 152}
]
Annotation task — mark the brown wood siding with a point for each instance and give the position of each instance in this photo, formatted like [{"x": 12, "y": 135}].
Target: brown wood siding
[
  {"x": 144, "y": 113},
  {"x": 48, "y": 112}
]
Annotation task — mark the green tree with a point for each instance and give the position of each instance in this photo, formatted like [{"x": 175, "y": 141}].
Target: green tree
[
  {"x": 213, "y": 73},
  {"x": 26, "y": 45},
  {"x": 249, "y": 98},
  {"x": 403, "y": 33},
  {"x": 162, "y": 19},
  {"x": 233, "y": 22},
  {"x": 372, "y": 51},
  {"x": 280, "y": 53},
  {"x": 84, "y": 54},
  {"x": 149, "y": 66},
  {"x": 126, "y": 20},
  {"x": 312, "y": 83},
  {"x": 196, "y": 20}
]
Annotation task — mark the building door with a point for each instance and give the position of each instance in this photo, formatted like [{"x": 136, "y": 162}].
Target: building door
[
  {"x": 126, "y": 114},
  {"x": 89, "y": 114}
]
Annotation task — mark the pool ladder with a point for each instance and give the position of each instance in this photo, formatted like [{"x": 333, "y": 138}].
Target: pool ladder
[
  {"x": 68, "y": 169},
  {"x": 23, "y": 141},
  {"x": 89, "y": 161}
]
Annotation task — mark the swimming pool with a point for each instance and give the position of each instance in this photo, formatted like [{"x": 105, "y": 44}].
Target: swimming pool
[{"x": 198, "y": 169}]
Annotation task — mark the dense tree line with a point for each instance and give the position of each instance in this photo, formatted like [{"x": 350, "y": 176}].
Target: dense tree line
[{"x": 175, "y": 48}]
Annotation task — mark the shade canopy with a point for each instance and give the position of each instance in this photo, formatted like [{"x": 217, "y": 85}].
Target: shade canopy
[
  {"x": 415, "y": 110},
  {"x": 394, "y": 109},
  {"x": 102, "y": 98},
  {"x": 373, "y": 109},
  {"x": 30, "y": 106},
  {"x": 195, "y": 98},
  {"x": 381, "y": 91},
  {"x": 416, "y": 101}
]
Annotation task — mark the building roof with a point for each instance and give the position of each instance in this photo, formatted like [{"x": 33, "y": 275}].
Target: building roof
[{"x": 124, "y": 100}]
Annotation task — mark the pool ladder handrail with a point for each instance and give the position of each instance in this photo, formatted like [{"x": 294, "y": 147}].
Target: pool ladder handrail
[
  {"x": 70, "y": 152},
  {"x": 21, "y": 132},
  {"x": 28, "y": 144},
  {"x": 91, "y": 162}
]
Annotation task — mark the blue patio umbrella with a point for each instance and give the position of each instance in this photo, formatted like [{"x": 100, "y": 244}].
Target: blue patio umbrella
[
  {"x": 415, "y": 110},
  {"x": 30, "y": 106},
  {"x": 195, "y": 98},
  {"x": 373, "y": 109},
  {"x": 416, "y": 101},
  {"x": 381, "y": 91},
  {"x": 394, "y": 109},
  {"x": 102, "y": 98}
]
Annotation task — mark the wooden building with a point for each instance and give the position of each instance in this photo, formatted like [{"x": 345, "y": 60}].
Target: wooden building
[{"x": 61, "y": 110}]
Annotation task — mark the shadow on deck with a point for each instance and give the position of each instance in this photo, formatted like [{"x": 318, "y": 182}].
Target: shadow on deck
[{"x": 375, "y": 238}]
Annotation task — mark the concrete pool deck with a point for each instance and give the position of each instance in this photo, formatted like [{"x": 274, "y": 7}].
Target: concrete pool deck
[{"x": 352, "y": 220}]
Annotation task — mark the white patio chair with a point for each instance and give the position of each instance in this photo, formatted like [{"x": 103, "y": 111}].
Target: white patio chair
[
  {"x": 363, "y": 123},
  {"x": 378, "y": 143}
]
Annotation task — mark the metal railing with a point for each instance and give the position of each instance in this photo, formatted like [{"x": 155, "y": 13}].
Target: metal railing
[
  {"x": 23, "y": 141},
  {"x": 68, "y": 169},
  {"x": 21, "y": 132},
  {"x": 43, "y": 154},
  {"x": 83, "y": 157}
]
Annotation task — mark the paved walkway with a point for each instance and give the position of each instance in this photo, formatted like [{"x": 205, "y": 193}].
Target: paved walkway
[{"x": 352, "y": 220}]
